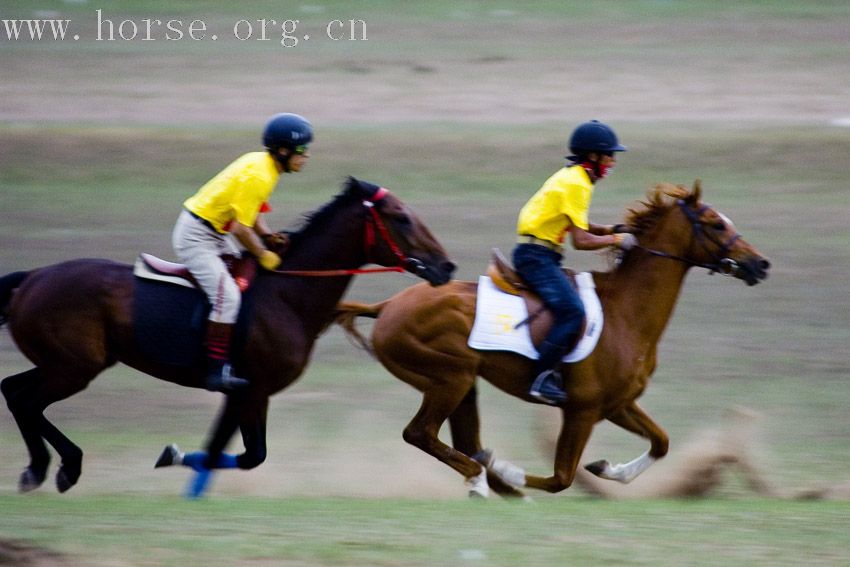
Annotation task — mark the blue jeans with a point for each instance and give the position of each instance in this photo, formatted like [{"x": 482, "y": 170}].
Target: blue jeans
[{"x": 540, "y": 268}]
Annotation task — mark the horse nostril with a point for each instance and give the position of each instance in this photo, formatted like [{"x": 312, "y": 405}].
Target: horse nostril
[
  {"x": 764, "y": 265},
  {"x": 448, "y": 267}
]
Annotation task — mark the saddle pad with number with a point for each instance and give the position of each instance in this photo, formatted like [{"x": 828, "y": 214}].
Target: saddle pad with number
[{"x": 498, "y": 316}]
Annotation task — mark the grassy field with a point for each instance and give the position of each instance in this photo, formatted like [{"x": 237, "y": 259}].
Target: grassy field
[
  {"x": 462, "y": 109},
  {"x": 118, "y": 530}
]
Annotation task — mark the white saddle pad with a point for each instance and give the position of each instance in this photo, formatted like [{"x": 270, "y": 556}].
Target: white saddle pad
[
  {"x": 497, "y": 315},
  {"x": 140, "y": 269}
]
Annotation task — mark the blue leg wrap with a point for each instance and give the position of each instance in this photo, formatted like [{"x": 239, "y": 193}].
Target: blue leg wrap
[
  {"x": 196, "y": 460},
  {"x": 200, "y": 481},
  {"x": 198, "y": 484}
]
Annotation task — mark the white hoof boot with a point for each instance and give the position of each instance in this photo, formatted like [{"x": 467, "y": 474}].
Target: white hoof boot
[
  {"x": 508, "y": 472},
  {"x": 170, "y": 456},
  {"x": 478, "y": 487}
]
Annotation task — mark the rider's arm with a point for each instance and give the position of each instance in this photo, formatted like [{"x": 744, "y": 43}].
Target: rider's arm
[
  {"x": 586, "y": 240},
  {"x": 260, "y": 227},
  {"x": 248, "y": 237},
  {"x": 600, "y": 229}
]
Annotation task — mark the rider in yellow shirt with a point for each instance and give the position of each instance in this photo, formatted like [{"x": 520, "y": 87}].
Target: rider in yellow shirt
[
  {"x": 561, "y": 207},
  {"x": 228, "y": 207}
]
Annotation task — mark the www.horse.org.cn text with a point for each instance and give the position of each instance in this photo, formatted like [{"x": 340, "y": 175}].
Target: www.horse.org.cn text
[{"x": 286, "y": 32}]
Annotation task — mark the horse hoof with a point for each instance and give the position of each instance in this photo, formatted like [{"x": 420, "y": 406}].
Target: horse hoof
[
  {"x": 30, "y": 480},
  {"x": 65, "y": 480},
  {"x": 597, "y": 467},
  {"x": 171, "y": 455}
]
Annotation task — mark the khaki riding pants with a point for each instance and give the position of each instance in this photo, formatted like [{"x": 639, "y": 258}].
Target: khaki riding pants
[{"x": 200, "y": 248}]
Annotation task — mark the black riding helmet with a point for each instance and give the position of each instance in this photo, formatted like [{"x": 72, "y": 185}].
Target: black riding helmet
[
  {"x": 290, "y": 131},
  {"x": 593, "y": 136}
]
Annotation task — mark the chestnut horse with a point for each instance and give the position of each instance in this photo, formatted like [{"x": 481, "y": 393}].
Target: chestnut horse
[
  {"x": 421, "y": 335},
  {"x": 75, "y": 319}
]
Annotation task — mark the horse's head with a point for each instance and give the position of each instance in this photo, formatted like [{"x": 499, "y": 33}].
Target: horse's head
[
  {"x": 395, "y": 236},
  {"x": 702, "y": 235}
]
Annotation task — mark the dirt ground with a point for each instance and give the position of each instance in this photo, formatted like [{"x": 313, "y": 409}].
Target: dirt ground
[
  {"x": 20, "y": 554},
  {"x": 765, "y": 69}
]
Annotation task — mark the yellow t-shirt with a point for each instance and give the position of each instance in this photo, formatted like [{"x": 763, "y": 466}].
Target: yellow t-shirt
[
  {"x": 563, "y": 201},
  {"x": 238, "y": 192}
]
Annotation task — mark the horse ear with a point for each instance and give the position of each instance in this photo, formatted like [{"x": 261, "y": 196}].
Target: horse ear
[
  {"x": 352, "y": 184},
  {"x": 367, "y": 190},
  {"x": 696, "y": 193}
]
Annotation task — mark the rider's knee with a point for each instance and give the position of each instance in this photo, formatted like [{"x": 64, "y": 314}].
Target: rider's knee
[{"x": 567, "y": 310}]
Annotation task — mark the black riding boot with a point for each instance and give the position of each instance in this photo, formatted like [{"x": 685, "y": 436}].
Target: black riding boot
[
  {"x": 548, "y": 385},
  {"x": 219, "y": 376}
]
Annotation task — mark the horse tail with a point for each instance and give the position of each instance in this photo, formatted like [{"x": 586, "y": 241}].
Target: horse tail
[
  {"x": 8, "y": 284},
  {"x": 346, "y": 315}
]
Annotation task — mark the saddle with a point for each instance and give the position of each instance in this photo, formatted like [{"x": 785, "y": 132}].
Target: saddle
[
  {"x": 150, "y": 267},
  {"x": 539, "y": 319},
  {"x": 170, "y": 311}
]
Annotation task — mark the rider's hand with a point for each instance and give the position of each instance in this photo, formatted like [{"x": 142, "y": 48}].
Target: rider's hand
[
  {"x": 277, "y": 242},
  {"x": 269, "y": 260},
  {"x": 625, "y": 241}
]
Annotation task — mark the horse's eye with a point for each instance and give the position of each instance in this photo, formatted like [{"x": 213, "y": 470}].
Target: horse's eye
[{"x": 719, "y": 225}]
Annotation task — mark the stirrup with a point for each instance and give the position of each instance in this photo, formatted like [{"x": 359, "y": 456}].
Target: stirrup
[
  {"x": 225, "y": 381},
  {"x": 548, "y": 388}
]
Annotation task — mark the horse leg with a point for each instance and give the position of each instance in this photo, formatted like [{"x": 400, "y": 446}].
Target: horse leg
[
  {"x": 253, "y": 428},
  {"x": 575, "y": 432},
  {"x": 465, "y": 427},
  {"x": 12, "y": 388},
  {"x": 438, "y": 403},
  {"x": 632, "y": 418},
  {"x": 235, "y": 414},
  {"x": 28, "y": 395}
]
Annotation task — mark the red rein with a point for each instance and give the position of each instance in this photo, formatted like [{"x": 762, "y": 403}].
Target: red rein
[{"x": 369, "y": 241}]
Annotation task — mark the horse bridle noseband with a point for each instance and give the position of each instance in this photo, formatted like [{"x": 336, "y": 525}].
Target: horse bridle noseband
[
  {"x": 722, "y": 264},
  {"x": 374, "y": 226}
]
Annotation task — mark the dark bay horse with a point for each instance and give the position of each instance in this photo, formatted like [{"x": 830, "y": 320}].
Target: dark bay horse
[
  {"x": 421, "y": 336},
  {"x": 75, "y": 319}
]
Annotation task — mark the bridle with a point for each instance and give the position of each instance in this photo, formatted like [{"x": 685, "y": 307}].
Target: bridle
[
  {"x": 722, "y": 264},
  {"x": 374, "y": 229}
]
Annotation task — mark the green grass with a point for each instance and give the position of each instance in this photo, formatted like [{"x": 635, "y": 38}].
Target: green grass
[{"x": 333, "y": 531}]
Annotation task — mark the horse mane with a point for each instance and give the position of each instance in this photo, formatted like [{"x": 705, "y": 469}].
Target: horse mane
[
  {"x": 643, "y": 219},
  {"x": 314, "y": 221},
  {"x": 658, "y": 201}
]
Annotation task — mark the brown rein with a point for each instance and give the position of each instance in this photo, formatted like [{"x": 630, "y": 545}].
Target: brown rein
[
  {"x": 373, "y": 222},
  {"x": 722, "y": 265}
]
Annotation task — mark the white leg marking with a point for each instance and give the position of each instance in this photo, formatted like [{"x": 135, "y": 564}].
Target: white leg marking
[
  {"x": 627, "y": 472},
  {"x": 508, "y": 472},
  {"x": 478, "y": 485}
]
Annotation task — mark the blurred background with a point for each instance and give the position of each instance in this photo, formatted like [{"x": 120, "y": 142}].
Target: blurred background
[{"x": 463, "y": 109}]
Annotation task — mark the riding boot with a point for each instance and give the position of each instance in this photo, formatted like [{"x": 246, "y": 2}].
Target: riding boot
[
  {"x": 548, "y": 385},
  {"x": 219, "y": 376}
]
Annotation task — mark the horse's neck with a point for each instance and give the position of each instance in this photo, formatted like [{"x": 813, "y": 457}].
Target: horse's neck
[
  {"x": 646, "y": 289},
  {"x": 314, "y": 298}
]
